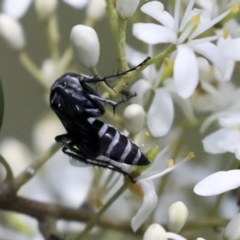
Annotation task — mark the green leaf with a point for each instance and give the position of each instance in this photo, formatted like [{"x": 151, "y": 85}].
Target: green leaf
[{"x": 1, "y": 104}]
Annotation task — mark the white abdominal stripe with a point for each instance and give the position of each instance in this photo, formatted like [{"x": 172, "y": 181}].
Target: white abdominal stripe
[{"x": 116, "y": 145}]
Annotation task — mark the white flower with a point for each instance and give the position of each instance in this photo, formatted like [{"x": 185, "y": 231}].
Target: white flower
[
  {"x": 96, "y": 9},
  {"x": 149, "y": 195},
  {"x": 126, "y": 8},
  {"x": 157, "y": 232},
  {"x": 177, "y": 214},
  {"x": 161, "y": 112},
  {"x": 45, "y": 131},
  {"x": 226, "y": 139},
  {"x": 232, "y": 230},
  {"x": 17, "y": 9},
  {"x": 12, "y": 32},
  {"x": 150, "y": 201},
  {"x": 218, "y": 182},
  {"x": 49, "y": 70},
  {"x": 16, "y": 154},
  {"x": 184, "y": 35},
  {"x": 223, "y": 44},
  {"x": 86, "y": 44},
  {"x": 45, "y": 8},
  {"x": 134, "y": 117}
]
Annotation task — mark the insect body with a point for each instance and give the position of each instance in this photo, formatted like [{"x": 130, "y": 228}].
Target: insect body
[{"x": 77, "y": 105}]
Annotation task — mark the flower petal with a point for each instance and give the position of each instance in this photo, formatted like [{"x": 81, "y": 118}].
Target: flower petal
[
  {"x": 210, "y": 143},
  {"x": 211, "y": 52},
  {"x": 161, "y": 113},
  {"x": 76, "y": 3},
  {"x": 186, "y": 15},
  {"x": 155, "y": 10},
  {"x": 223, "y": 140},
  {"x": 208, "y": 24},
  {"x": 150, "y": 200},
  {"x": 140, "y": 87},
  {"x": 134, "y": 57},
  {"x": 185, "y": 71},
  {"x": 174, "y": 236},
  {"x": 15, "y": 9},
  {"x": 232, "y": 231},
  {"x": 229, "y": 68},
  {"x": 153, "y": 34},
  {"x": 155, "y": 232},
  {"x": 231, "y": 49},
  {"x": 218, "y": 182},
  {"x": 229, "y": 119}
]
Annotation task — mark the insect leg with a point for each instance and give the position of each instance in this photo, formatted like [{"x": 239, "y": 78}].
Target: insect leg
[
  {"x": 113, "y": 103},
  {"x": 72, "y": 152},
  {"x": 64, "y": 138}
]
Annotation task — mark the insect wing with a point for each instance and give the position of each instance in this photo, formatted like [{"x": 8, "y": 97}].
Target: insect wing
[{"x": 85, "y": 137}]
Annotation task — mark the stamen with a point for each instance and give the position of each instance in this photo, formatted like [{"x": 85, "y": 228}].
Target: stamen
[
  {"x": 235, "y": 8},
  {"x": 164, "y": 172},
  {"x": 225, "y": 33},
  {"x": 166, "y": 62},
  {"x": 196, "y": 19},
  {"x": 170, "y": 162},
  {"x": 190, "y": 156}
]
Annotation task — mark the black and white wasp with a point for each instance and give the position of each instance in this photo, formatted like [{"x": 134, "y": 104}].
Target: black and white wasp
[{"x": 77, "y": 105}]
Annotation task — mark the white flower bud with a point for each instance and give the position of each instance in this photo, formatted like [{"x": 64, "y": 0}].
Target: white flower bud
[
  {"x": 126, "y": 8},
  {"x": 96, "y": 9},
  {"x": 232, "y": 230},
  {"x": 16, "y": 153},
  {"x": 155, "y": 232},
  {"x": 204, "y": 67},
  {"x": 45, "y": 8},
  {"x": 45, "y": 131},
  {"x": 177, "y": 214},
  {"x": 12, "y": 32},
  {"x": 49, "y": 70},
  {"x": 134, "y": 117},
  {"x": 86, "y": 44}
]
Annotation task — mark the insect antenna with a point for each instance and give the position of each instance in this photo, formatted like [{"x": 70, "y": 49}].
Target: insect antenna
[{"x": 118, "y": 74}]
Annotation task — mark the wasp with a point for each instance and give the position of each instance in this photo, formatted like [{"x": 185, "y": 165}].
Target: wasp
[{"x": 88, "y": 139}]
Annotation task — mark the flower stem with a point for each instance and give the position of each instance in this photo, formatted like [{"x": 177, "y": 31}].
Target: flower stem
[
  {"x": 95, "y": 219},
  {"x": 122, "y": 41},
  {"x": 53, "y": 38},
  {"x": 126, "y": 80},
  {"x": 65, "y": 60},
  {"x": 102, "y": 84},
  {"x": 113, "y": 19},
  {"x": 32, "y": 68},
  {"x": 31, "y": 170}
]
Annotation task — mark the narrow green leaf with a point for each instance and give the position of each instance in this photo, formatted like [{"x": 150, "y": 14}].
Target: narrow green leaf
[{"x": 1, "y": 104}]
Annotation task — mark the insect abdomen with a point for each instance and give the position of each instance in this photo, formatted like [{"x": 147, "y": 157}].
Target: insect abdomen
[{"x": 116, "y": 146}]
